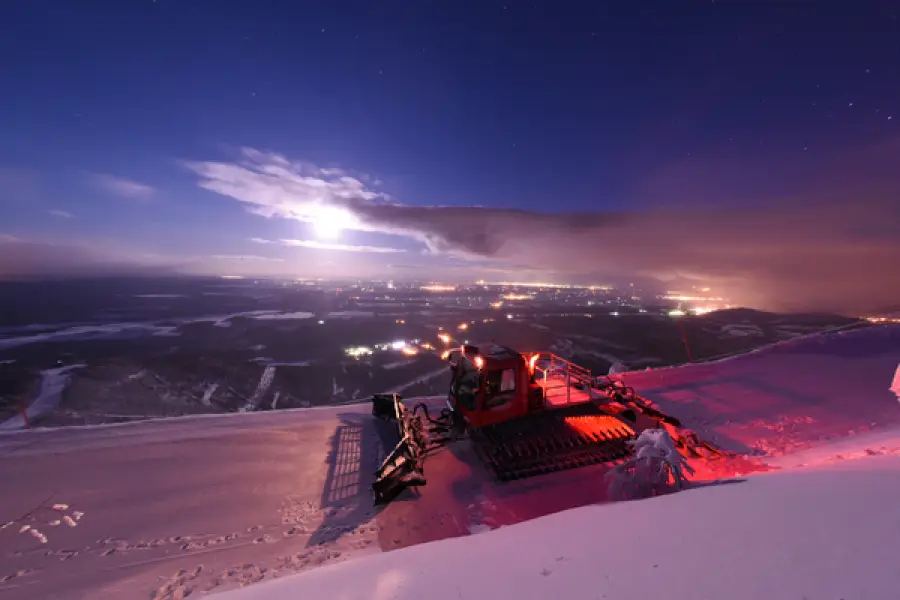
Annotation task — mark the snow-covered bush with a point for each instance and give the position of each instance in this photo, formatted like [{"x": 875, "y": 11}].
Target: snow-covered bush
[
  {"x": 656, "y": 468},
  {"x": 617, "y": 367}
]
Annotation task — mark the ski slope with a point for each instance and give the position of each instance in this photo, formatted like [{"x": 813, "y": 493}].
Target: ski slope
[
  {"x": 210, "y": 503},
  {"x": 749, "y": 540}
]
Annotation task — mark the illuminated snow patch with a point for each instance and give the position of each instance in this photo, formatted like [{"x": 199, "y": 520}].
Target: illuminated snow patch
[{"x": 895, "y": 386}]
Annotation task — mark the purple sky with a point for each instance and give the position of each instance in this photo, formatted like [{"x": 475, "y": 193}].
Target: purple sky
[{"x": 753, "y": 148}]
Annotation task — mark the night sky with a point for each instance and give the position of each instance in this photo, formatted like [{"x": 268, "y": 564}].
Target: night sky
[{"x": 751, "y": 147}]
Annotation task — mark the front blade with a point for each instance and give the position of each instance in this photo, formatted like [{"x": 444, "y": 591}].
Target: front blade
[{"x": 400, "y": 470}]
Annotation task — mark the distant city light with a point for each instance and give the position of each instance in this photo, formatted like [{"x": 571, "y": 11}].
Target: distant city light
[
  {"x": 463, "y": 326},
  {"x": 687, "y": 298},
  {"x": 444, "y": 338},
  {"x": 438, "y": 288},
  {"x": 410, "y": 351},
  {"x": 883, "y": 319},
  {"x": 676, "y": 313},
  {"x": 358, "y": 351},
  {"x": 321, "y": 322},
  {"x": 398, "y": 345},
  {"x": 517, "y": 297}
]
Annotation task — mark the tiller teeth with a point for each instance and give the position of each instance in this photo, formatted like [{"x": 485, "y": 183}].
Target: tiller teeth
[{"x": 403, "y": 467}]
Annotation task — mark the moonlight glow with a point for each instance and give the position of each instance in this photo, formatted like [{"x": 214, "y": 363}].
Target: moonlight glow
[{"x": 329, "y": 222}]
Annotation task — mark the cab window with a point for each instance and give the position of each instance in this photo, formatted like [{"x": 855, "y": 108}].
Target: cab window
[{"x": 498, "y": 384}]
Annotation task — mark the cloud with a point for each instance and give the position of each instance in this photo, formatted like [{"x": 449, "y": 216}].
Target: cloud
[
  {"x": 23, "y": 257},
  {"x": 247, "y": 257},
  {"x": 342, "y": 247},
  {"x": 834, "y": 248},
  {"x": 317, "y": 245},
  {"x": 120, "y": 186},
  {"x": 60, "y": 214},
  {"x": 272, "y": 186}
]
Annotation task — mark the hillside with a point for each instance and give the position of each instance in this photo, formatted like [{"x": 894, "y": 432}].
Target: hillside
[{"x": 211, "y": 502}]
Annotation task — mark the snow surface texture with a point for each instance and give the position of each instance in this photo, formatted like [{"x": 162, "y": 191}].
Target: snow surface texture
[
  {"x": 786, "y": 397},
  {"x": 178, "y": 507},
  {"x": 751, "y": 540}
]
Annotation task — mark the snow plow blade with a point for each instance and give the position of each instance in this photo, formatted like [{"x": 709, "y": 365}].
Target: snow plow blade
[
  {"x": 553, "y": 440},
  {"x": 403, "y": 467}
]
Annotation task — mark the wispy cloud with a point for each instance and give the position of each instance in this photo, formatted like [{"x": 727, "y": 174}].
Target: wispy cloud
[
  {"x": 62, "y": 214},
  {"x": 6, "y": 238},
  {"x": 317, "y": 245},
  {"x": 120, "y": 186},
  {"x": 270, "y": 185},
  {"x": 247, "y": 257},
  {"x": 342, "y": 247}
]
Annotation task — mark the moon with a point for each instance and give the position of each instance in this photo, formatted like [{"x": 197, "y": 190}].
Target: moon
[{"x": 329, "y": 222}]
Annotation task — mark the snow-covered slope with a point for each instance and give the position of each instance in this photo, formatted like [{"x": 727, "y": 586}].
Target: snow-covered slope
[
  {"x": 207, "y": 503},
  {"x": 786, "y": 397},
  {"x": 827, "y": 533}
]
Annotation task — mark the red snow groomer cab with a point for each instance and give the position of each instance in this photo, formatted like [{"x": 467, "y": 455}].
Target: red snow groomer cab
[{"x": 525, "y": 413}]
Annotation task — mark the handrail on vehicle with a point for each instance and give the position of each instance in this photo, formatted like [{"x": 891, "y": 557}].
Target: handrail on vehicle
[{"x": 549, "y": 367}]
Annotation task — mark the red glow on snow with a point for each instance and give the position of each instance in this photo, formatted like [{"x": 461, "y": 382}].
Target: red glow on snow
[{"x": 604, "y": 426}]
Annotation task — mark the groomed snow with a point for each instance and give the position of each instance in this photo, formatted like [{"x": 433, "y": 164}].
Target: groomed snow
[{"x": 817, "y": 534}]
